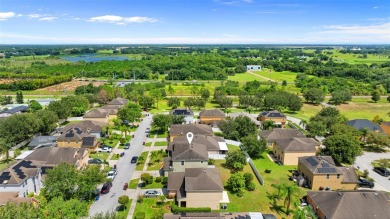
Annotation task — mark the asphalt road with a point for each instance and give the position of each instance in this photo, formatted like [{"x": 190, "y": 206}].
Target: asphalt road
[
  {"x": 364, "y": 163},
  {"x": 109, "y": 202}
]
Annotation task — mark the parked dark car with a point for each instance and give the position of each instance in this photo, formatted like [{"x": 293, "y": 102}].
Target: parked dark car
[
  {"x": 95, "y": 161},
  {"x": 134, "y": 159},
  {"x": 127, "y": 146},
  {"x": 382, "y": 171},
  {"x": 365, "y": 183},
  {"x": 106, "y": 188}
]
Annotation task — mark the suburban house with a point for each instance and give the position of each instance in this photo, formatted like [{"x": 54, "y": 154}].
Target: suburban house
[
  {"x": 288, "y": 150},
  {"x": 220, "y": 215},
  {"x": 211, "y": 117},
  {"x": 360, "y": 124},
  {"x": 101, "y": 115},
  {"x": 27, "y": 175},
  {"x": 119, "y": 101},
  {"x": 88, "y": 126},
  {"x": 197, "y": 187},
  {"x": 76, "y": 138},
  {"x": 320, "y": 172},
  {"x": 250, "y": 116},
  {"x": 280, "y": 120},
  {"x": 277, "y": 133},
  {"x": 13, "y": 197},
  {"x": 183, "y": 129},
  {"x": 349, "y": 204},
  {"x": 253, "y": 67},
  {"x": 184, "y": 155},
  {"x": 214, "y": 144},
  {"x": 187, "y": 113},
  {"x": 386, "y": 127},
  {"x": 12, "y": 111},
  {"x": 42, "y": 141}
]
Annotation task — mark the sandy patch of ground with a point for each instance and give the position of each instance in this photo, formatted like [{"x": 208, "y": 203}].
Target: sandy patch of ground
[{"x": 69, "y": 86}]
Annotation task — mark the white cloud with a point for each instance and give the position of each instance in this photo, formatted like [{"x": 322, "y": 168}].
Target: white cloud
[
  {"x": 47, "y": 18},
  {"x": 114, "y": 19},
  {"x": 35, "y": 15},
  {"x": 6, "y": 15},
  {"x": 375, "y": 29}
]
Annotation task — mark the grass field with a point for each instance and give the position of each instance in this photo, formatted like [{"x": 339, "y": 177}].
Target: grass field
[
  {"x": 100, "y": 155},
  {"x": 133, "y": 184},
  {"x": 245, "y": 77},
  {"x": 161, "y": 143},
  {"x": 277, "y": 76},
  {"x": 354, "y": 58}
]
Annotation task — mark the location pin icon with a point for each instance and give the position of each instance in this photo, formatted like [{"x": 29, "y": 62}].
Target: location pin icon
[{"x": 190, "y": 136}]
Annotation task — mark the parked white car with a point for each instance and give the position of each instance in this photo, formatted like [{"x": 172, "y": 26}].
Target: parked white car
[
  {"x": 111, "y": 174},
  {"x": 105, "y": 149}
]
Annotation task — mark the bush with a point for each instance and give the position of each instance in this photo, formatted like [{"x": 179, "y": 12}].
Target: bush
[
  {"x": 122, "y": 140},
  {"x": 267, "y": 171},
  {"x": 248, "y": 177},
  {"x": 158, "y": 179},
  {"x": 140, "y": 199},
  {"x": 175, "y": 209},
  {"x": 240, "y": 193},
  {"x": 211, "y": 161},
  {"x": 140, "y": 215},
  {"x": 164, "y": 181},
  {"x": 251, "y": 186},
  {"x": 147, "y": 178}
]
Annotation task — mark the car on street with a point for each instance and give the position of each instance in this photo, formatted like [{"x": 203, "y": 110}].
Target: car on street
[
  {"x": 151, "y": 193},
  {"x": 134, "y": 159},
  {"x": 127, "y": 146},
  {"x": 111, "y": 174},
  {"x": 147, "y": 130},
  {"x": 106, "y": 188},
  {"x": 382, "y": 171},
  {"x": 365, "y": 183},
  {"x": 105, "y": 149},
  {"x": 95, "y": 161}
]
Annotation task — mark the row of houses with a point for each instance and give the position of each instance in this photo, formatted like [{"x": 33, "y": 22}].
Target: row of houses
[{"x": 191, "y": 181}]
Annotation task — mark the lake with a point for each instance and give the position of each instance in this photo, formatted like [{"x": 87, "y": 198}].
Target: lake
[{"x": 94, "y": 58}]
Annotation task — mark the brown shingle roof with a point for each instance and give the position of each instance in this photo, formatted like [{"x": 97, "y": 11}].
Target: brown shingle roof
[
  {"x": 211, "y": 142},
  {"x": 297, "y": 144},
  {"x": 349, "y": 175},
  {"x": 187, "y": 152},
  {"x": 316, "y": 164},
  {"x": 196, "y": 129},
  {"x": 12, "y": 197},
  {"x": 118, "y": 101},
  {"x": 51, "y": 156},
  {"x": 100, "y": 113},
  {"x": 175, "y": 180},
  {"x": 275, "y": 134},
  {"x": 86, "y": 125},
  {"x": 272, "y": 114},
  {"x": 212, "y": 113},
  {"x": 352, "y": 204},
  {"x": 74, "y": 134},
  {"x": 203, "y": 179}
]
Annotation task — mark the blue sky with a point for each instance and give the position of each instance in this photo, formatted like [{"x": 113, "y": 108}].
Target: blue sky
[{"x": 194, "y": 21}]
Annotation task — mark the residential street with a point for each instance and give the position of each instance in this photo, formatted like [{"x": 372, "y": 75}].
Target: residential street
[
  {"x": 364, "y": 162},
  {"x": 109, "y": 202}
]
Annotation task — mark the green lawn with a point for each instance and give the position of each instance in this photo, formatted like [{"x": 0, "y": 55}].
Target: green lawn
[
  {"x": 141, "y": 161},
  {"x": 277, "y": 76},
  {"x": 155, "y": 166},
  {"x": 233, "y": 147},
  {"x": 354, "y": 58},
  {"x": 258, "y": 200},
  {"x": 161, "y": 143},
  {"x": 115, "y": 157},
  {"x": 101, "y": 155},
  {"x": 112, "y": 143},
  {"x": 133, "y": 184},
  {"x": 122, "y": 213},
  {"x": 154, "y": 185},
  {"x": 148, "y": 144},
  {"x": 149, "y": 206},
  {"x": 242, "y": 78},
  {"x": 162, "y": 135}
]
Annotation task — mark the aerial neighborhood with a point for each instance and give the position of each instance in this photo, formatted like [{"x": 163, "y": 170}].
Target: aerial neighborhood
[{"x": 185, "y": 147}]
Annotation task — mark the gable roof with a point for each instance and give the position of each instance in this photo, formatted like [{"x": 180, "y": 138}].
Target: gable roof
[
  {"x": 272, "y": 114},
  {"x": 212, "y": 113},
  {"x": 110, "y": 107},
  {"x": 279, "y": 133},
  {"x": 196, "y": 129},
  {"x": 320, "y": 164},
  {"x": 250, "y": 116},
  {"x": 118, "y": 101},
  {"x": 88, "y": 141},
  {"x": 100, "y": 113},
  {"x": 19, "y": 172},
  {"x": 15, "y": 110},
  {"x": 52, "y": 156},
  {"x": 196, "y": 180},
  {"x": 183, "y": 151},
  {"x": 42, "y": 140},
  {"x": 211, "y": 142},
  {"x": 352, "y": 204},
  {"x": 84, "y": 126},
  {"x": 181, "y": 112},
  {"x": 73, "y": 134},
  {"x": 297, "y": 144},
  {"x": 364, "y": 123}
]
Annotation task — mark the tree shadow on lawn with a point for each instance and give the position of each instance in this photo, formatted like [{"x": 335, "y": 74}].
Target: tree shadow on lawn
[
  {"x": 274, "y": 204},
  {"x": 376, "y": 149}
]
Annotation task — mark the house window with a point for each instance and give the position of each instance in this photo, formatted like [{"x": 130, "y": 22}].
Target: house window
[
  {"x": 182, "y": 162},
  {"x": 338, "y": 176},
  {"x": 327, "y": 176}
]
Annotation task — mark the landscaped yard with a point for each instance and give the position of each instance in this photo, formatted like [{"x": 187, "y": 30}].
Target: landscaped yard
[
  {"x": 162, "y": 135},
  {"x": 141, "y": 161},
  {"x": 260, "y": 199},
  {"x": 133, "y": 184},
  {"x": 122, "y": 213},
  {"x": 161, "y": 143},
  {"x": 148, "y": 144},
  {"x": 155, "y": 166},
  {"x": 149, "y": 207},
  {"x": 100, "y": 155},
  {"x": 156, "y": 160}
]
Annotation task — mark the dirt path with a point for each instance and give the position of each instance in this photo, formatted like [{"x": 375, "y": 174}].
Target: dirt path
[{"x": 268, "y": 79}]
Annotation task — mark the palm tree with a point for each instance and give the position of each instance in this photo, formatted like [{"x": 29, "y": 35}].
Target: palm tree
[
  {"x": 290, "y": 191},
  {"x": 4, "y": 148},
  {"x": 123, "y": 130}
]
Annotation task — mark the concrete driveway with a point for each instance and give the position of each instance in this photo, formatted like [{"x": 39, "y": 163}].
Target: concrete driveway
[
  {"x": 364, "y": 163},
  {"x": 109, "y": 202}
]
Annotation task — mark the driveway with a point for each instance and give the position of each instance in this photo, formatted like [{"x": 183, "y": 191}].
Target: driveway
[
  {"x": 109, "y": 202},
  {"x": 364, "y": 163}
]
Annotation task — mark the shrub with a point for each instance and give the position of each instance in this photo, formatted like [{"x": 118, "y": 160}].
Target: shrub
[
  {"x": 164, "y": 181},
  {"x": 248, "y": 178},
  {"x": 140, "y": 199},
  {"x": 240, "y": 193},
  {"x": 268, "y": 171},
  {"x": 211, "y": 161},
  {"x": 158, "y": 179},
  {"x": 251, "y": 186},
  {"x": 122, "y": 140},
  {"x": 140, "y": 215},
  {"x": 145, "y": 177},
  {"x": 176, "y": 209}
]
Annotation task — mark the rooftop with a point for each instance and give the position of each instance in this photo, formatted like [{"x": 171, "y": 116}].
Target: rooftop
[
  {"x": 272, "y": 114},
  {"x": 181, "y": 112},
  {"x": 212, "y": 113},
  {"x": 364, "y": 123},
  {"x": 86, "y": 126},
  {"x": 278, "y": 133},
  {"x": 297, "y": 144},
  {"x": 196, "y": 129},
  {"x": 118, "y": 101},
  {"x": 196, "y": 179},
  {"x": 320, "y": 164},
  {"x": 187, "y": 152},
  {"x": 211, "y": 142},
  {"x": 42, "y": 140}
]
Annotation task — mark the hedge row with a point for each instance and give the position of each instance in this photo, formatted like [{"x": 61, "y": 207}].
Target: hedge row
[{"x": 176, "y": 209}]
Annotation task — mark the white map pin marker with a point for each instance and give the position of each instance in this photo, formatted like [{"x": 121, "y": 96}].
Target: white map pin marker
[{"x": 190, "y": 136}]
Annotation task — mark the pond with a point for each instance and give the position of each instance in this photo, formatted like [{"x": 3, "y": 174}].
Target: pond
[{"x": 94, "y": 58}]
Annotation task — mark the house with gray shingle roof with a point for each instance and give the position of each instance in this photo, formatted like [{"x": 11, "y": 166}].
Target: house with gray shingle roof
[
  {"x": 320, "y": 172},
  {"x": 119, "y": 101},
  {"x": 77, "y": 138},
  {"x": 196, "y": 187},
  {"x": 280, "y": 120},
  {"x": 187, "y": 113},
  {"x": 360, "y": 124},
  {"x": 214, "y": 144},
  {"x": 288, "y": 150},
  {"x": 183, "y": 129},
  {"x": 87, "y": 126},
  {"x": 275, "y": 134},
  {"x": 211, "y": 117}
]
